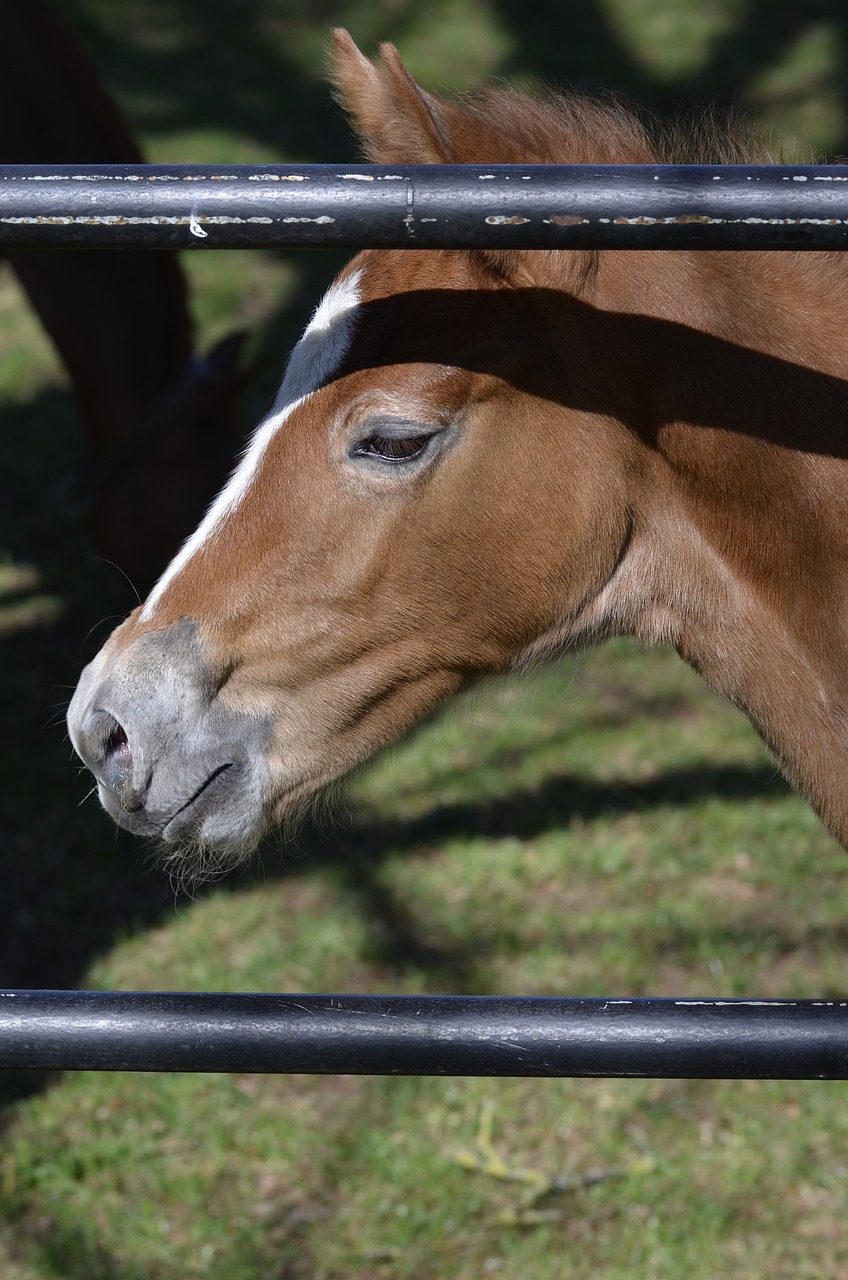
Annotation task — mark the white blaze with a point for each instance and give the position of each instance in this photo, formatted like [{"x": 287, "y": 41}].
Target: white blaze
[{"x": 325, "y": 343}]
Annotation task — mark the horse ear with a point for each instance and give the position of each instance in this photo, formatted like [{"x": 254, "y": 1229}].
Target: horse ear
[{"x": 396, "y": 120}]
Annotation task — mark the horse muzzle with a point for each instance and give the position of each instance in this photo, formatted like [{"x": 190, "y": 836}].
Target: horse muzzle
[{"x": 171, "y": 760}]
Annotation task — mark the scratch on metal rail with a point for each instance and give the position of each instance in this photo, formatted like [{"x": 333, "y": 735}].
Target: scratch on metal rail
[{"x": 409, "y": 219}]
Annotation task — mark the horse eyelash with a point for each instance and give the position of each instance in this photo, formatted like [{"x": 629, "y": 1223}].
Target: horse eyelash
[{"x": 392, "y": 449}]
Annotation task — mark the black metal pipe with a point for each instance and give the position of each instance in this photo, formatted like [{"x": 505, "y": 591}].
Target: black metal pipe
[
  {"x": 424, "y": 206},
  {"x": 424, "y": 1035}
]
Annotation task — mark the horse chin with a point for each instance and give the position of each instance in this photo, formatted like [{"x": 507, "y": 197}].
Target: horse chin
[
  {"x": 196, "y": 848},
  {"x": 194, "y": 860}
]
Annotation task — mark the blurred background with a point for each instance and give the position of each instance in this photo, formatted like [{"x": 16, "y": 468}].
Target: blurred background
[{"x": 601, "y": 827}]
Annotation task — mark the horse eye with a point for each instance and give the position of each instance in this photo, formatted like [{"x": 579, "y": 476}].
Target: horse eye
[{"x": 389, "y": 449}]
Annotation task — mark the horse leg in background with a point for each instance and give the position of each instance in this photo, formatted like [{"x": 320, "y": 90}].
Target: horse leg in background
[{"x": 161, "y": 426}]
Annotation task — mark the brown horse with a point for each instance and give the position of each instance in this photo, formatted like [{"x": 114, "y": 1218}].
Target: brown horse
[
  {"x": 477, "y": 458},
  {"x": 162, "y": 425}
]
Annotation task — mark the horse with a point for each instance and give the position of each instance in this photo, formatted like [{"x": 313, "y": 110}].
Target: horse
[
  {"x": 161, "y": 422},
  {"x": 479, "y": 458}
]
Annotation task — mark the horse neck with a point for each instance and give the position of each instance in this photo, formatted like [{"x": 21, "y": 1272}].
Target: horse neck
[{"x": 739, "y": 555}]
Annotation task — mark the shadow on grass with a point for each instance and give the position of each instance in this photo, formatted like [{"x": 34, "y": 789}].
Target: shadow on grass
[
  {"x": 553, "y": 806},
  {"x": 68, "y": 1250},
  {"x": 355, "y": 857}
]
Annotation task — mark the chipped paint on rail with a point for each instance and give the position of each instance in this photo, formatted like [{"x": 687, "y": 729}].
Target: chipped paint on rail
[
  {"x": 165, "y": 220},
  {"x": 320, "y": 221},
  {"x": 685, "y": 219},
  {"x": 735, "y": 1004}
]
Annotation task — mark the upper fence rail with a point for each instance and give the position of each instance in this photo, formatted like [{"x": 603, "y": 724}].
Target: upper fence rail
[{"x": 424, "y": 206}]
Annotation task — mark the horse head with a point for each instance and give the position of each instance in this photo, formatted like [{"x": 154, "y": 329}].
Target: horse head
[{"x": 470, "y": 463}]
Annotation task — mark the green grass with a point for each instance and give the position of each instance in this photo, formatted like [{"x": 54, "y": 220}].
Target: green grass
[
  {"x": 618, "y": 832},
  {"x": 602, "y": 827}
]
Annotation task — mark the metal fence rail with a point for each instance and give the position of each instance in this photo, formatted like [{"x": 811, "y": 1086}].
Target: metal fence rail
[
  {"x": 424, "y": 1035},
  {"x": 424, "y": 206}
]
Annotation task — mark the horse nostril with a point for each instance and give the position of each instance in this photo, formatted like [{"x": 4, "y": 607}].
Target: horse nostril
[
  {"x": 117, "y": 760},
  {"x": 117, "y": 745}
]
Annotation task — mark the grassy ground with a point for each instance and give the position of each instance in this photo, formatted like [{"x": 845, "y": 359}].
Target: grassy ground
[{"x": 606, "y": 827}]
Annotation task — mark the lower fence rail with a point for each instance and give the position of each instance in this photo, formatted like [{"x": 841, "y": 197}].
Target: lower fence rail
[{"x": 424, "y": 1035}]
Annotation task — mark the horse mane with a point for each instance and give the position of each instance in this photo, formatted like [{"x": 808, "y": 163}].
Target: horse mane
[
  {"x": 501, "y": 125},
  {"x": 549, "y": 127}
]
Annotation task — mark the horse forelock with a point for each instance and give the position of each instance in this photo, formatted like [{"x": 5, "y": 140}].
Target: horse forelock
[{"x": 313, "y": 362}]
